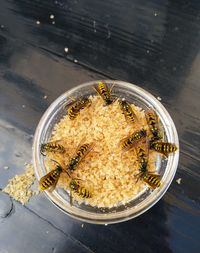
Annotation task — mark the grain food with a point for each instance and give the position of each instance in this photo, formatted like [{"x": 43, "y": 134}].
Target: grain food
[
  {"x": 108, "y": 172},
  {"x": 19, "y": 186}
]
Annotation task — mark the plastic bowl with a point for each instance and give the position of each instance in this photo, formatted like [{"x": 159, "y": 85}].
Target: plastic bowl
[{"x": 145, "y": 199}]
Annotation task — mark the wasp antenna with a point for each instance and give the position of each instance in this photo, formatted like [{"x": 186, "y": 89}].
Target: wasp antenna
[
  {"x": 68, "y": 173},
  {"x": 54, "y": 161}
]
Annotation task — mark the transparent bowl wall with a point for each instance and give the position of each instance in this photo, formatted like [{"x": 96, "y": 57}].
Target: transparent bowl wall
[{"x": 145, "y": 199}]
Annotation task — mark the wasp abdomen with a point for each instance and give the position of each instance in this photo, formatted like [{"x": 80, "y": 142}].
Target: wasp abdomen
[
  {"x": 77, "y": 106},
  {"x": 52, "y": 147},
  {"x": 128, "y": 111},
  {"x": 130, "y": 141},
  {"x": 163, "y": 147},
  {"x": 103, "y": 90},
  {"x": 50, "y": 179},
  {"x": 152, "y": 180}
]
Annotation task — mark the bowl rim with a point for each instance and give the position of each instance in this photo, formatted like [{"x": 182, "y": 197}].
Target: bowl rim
[{"x": 113, "y": 217}]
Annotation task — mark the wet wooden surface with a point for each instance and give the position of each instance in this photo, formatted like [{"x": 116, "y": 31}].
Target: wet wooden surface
[{"x": 154, "y": 44}]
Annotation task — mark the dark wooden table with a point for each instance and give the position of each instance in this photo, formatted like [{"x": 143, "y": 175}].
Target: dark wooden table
[{"x": 154, "y": 44}]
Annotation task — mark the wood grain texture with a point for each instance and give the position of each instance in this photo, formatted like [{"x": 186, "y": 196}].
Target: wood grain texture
[{"x": 154, "y": 44}]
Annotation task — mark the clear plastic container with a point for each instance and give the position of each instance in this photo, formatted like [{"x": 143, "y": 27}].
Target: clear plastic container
[{"x": 145, "y": 199}]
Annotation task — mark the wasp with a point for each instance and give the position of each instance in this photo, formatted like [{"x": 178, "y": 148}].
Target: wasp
[
  {"x": 133, "y": 139},
  {"x": 50, "y": 179},
  {"x": 103, "y": 90},
  {"x": 76, "y": 106},
  {"x": 128, "y": 112},
  {"x": 152, "y": 120},
  {"x": 81, "y": 152},
  {"x": 153, "y": 180},
  {"x": 51, "y": 147},
  {"x": 140, "y": 152},
  {"x": 81, "y": 191},
  {"x": 164, "y": 148},
  {"x": 142, "y": 159}
]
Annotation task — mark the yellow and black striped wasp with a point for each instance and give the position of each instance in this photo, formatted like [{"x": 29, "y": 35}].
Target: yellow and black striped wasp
[
  {"x": 142, "y": 157},
  {"x": 152, "y": 121},
  {"x": 49, "y": 181},
  {"x": 152, "y": 179},
  {"x": 103, "y": 90},
  {"x": 76, "y": 106},
  {"x": 164, "y": 148},
  {"x": 76, "y": 187},
  {"x": 53, "y": 146},
  {"x": 133, "y": 139},
  {"x": 128, "y": 112},
  {"x": 81, "y": 152}
]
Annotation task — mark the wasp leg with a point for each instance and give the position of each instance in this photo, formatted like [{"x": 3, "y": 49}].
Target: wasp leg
[{"x": 71, "y": 198}]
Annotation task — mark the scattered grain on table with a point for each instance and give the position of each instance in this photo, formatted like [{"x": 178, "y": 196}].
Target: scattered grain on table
[
  {"x": 179, "y": 180},
  {"x": 19, "y": 187}
]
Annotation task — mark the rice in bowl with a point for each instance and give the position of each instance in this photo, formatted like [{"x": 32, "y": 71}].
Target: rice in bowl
[{"x": 106, "y": 171}]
